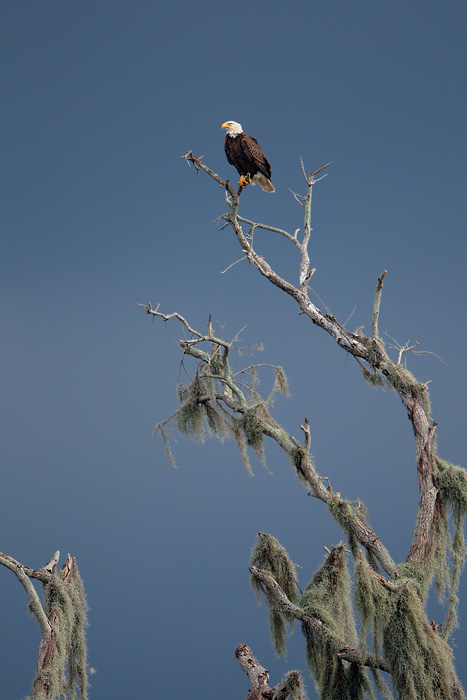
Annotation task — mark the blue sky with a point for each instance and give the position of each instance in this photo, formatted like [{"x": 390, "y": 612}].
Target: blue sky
[{"x": 99, "y": 213}]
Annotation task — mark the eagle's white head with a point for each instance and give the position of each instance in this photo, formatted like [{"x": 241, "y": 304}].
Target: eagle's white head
[{"x": 232, "y": 128}]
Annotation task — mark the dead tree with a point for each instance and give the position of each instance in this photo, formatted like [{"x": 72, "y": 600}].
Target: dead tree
[
  {"x": 389, "y": 598},
  {"x": 61, "y": 657}
]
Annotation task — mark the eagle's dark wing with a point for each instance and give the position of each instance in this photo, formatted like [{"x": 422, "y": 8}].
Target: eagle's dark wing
[
  {"x": 254, "y": 153},
  {"x": 228, "y": 148}
]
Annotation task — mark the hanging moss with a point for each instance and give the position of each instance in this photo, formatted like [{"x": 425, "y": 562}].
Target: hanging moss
[
  {"x": 281, "y": 382},
  {"x": 291, "y": 687},
  {"x": 66, "y": 675},
  {"x": 371, "y": 601},
  {"x": 218, "y": 403},
  {"x": 420, "y": 660},
  {"x": 441, "y": 546},
  {"x": 343, "y": 511},
  {"x": 404, "y": 381},
  {"x": 458, "y": 550},
  {"x": 253, "y": 386},
  {"x": 199, "y": 416},
  {"x": 216, "y": 360},
  {"x": 296, "y": 457},
  {"x": 214, "y": 420},
  {"x": 373, "y": 378},
  {"x": 328, "y": 598},
  {"x": 381, "y": 684},
  {"x": 166, "y": 442},
  {"x": 269, "y": 555},
  {"x": 239, "y": 438},
  {"x": 251, "y": 424},
  {"x": 452, "y": 484},
  {"x": 77, "y": 650},
  {"x": 190, "y": 416},
  {"x": 203, "y": 415},
  {"x": 401, "y": 380}
]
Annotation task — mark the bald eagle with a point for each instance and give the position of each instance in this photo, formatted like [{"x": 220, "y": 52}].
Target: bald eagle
[{"x": 246, "y": 154}]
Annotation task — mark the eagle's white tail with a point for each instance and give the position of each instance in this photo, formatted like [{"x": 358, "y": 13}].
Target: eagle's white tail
[{"x": 263, "y": 182}]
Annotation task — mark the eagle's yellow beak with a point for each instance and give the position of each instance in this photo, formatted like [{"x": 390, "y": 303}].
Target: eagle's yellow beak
[{"x": 225, "y": 125}]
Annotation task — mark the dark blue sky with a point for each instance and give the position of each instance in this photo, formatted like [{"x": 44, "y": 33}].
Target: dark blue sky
[{"x": 99, "y": 213}]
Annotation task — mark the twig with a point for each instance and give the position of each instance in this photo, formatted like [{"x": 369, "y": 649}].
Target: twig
[
  {"x": 315, "y": 172},
  {"x": 166, "y": 317},
  {"x": 376, "y": 305},
  {"x": 298, "y": 197},
  {"x": 428, "y": 352},
  {"x": 199, "y": 165},
  {"x": 321, "y": 301},
  {"x": 265, "y": 227},
  {"x": 310, "y": 180},
  {"x": 352, "y": 313},
  {"x": 411, "y": 348},
  {"x": 233, "y": 264},
  {"x": 248, "y": 369}
]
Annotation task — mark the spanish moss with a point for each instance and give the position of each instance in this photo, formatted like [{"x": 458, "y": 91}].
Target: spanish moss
[{"x": 270, "y": 556}]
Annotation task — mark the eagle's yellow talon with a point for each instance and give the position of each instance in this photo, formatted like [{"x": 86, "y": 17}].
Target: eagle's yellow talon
[{"x": 245, "y": 180}]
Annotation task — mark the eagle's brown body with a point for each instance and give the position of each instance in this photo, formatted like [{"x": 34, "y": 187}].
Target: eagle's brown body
[{"x": 247, "y": 156}]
